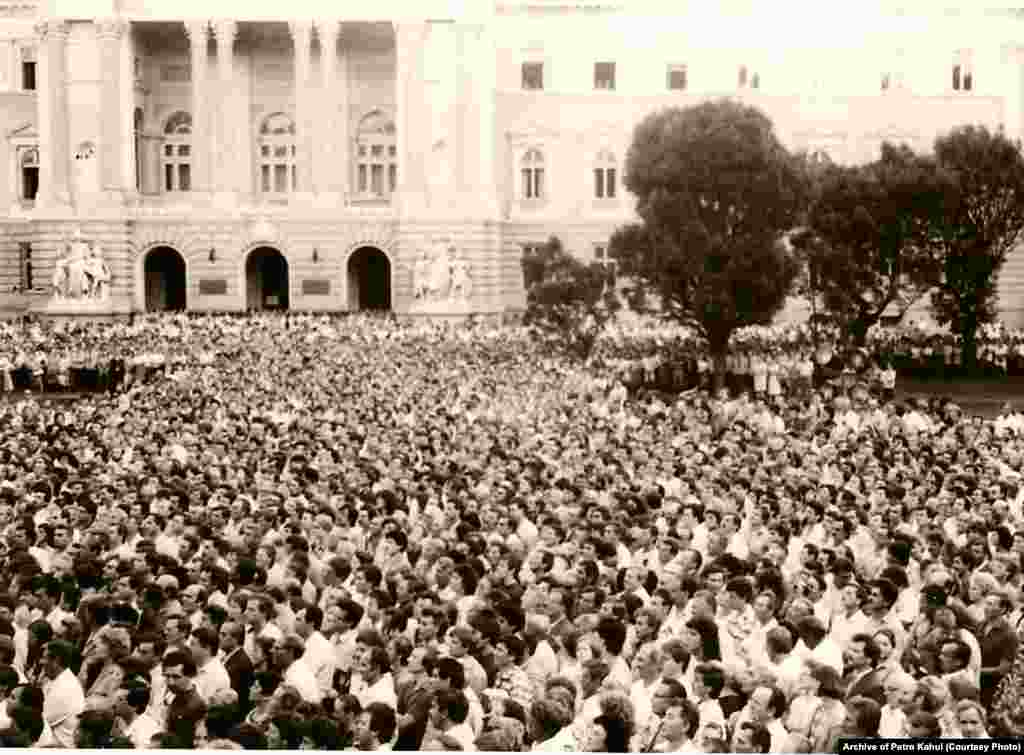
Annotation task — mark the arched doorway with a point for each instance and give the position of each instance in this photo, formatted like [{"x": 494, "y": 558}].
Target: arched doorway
[
  {"x": 164, "y": 274},
  {"x": 369, "y": 279},
  {"x": 266, "y": 279}
]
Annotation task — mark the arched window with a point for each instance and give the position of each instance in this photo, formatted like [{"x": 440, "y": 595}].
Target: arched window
[
  {"x": 277, "y": 154},
  {"x": 532, "y": 172},
  {"x": 178, "y": 152},
  {"x": 605, "y": 176},
  {"x": 29, "y": 173},
  {"x": 376, "y": 156}
]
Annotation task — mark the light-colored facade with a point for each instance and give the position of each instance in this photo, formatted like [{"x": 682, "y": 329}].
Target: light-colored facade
[{"x": 251, "y": 159}]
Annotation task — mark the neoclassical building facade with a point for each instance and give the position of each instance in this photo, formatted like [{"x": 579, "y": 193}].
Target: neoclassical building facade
[{"x": 216, "y": 157}]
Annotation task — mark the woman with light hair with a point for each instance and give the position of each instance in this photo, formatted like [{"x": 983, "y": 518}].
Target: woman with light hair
[
  {"x": 978, "y": 588},
  {"x": 971, "y": 719}
]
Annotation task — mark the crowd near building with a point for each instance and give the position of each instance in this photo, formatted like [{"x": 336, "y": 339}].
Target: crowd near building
[{"x": 258, "y": 159}]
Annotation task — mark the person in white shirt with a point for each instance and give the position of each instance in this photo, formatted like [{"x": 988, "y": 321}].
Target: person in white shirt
[
  {"x": 375, "y": 669},
  {"x": 132, "y": 720},
  {"x": 449, "y": 715},
  {"x": 63, "y": 697},
  {"x": 211, "y": 676},
  {"x": 288, "y": 656},
  {"x": 375, "y": 727},
  {"x": 320, "y": 654},
  {"x": 814, "y": 645}
]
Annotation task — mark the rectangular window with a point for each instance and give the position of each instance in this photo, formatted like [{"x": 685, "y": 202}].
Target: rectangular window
[
  {"x": 533, "y": 76},
  {"x": 28, "y": 75},
  {"x": 168, "y": 178},
  {"x": 280, "y": 178},
  {"x": 29, "y": 182},
  {"x": 362, "y": 179},
  {"x": 295, "y": 178},
  {"x": 677, "y": 77},
  {"x": 377, "y": 150},
  {"x": 168, "y": 150},
  {"x": 600, "y": 253},
  {"x": 609, "y": 183},
  {"x": 393, "y": 178},
  {"x": 604, "y": 76},
  {"x": 956, "y": 78},
  {"x": 184, "y": 177},
  {"x": 599, "y": 183},
  {"x": 265, "y": 178},
  {"x": 742, "y": 77},
  {"x": 538, "y": 183},
  {"x": 528, "y": 183},
  {"x": 377, "y": 180},
  {"x": 886, "y": 82}
]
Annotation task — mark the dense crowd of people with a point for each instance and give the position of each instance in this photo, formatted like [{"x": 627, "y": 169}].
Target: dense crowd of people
[{"x": 354, "y": 533}]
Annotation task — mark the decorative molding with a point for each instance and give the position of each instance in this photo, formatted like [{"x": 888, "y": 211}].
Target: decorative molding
[
  {"x": 226, "y": 31},
  {"x": 198, "y": 33},
  {"x": 111, "y": 28},
  {"x": 52, "y": 28}
]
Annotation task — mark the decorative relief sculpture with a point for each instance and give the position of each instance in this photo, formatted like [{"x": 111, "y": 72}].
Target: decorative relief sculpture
[
  {"x": 441, "y": 275},
  {"x": 82, "y": 274}
]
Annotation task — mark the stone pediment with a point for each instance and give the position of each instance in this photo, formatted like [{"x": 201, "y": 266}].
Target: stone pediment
[{"x": 26, "y": 132}]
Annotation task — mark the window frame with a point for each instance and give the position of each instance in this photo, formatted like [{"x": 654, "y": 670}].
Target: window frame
[
  {"x": 532, "y": 169},
  {"x": 176, "y": 153},
  {"x": 606, "y": 177},
  {"x": 375, "y": 157},
  {"x": 28, "y": 159},
  {"x": 277, "y": 156},
  {"x": 677, "y": 68},
  {"x": 527, "y": 66},
  {"x": 609, "y": 68}
]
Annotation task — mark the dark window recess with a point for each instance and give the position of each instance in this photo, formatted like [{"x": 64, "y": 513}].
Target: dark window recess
[
  {"x": 677, "y": 78},
  {"x": 28, "y": 75},
  {"x": 533, "y": 76}
]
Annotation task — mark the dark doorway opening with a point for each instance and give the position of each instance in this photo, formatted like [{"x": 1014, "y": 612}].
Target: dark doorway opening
[
  {"x": 165, "y": 285},
  {"x": 369, "y": 279},
  {"x": 266, "y": 280}
]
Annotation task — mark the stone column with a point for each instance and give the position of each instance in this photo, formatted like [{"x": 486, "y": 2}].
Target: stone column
[
  {"x": 486, "y": 66},
  {"x": 110, "y": 34},
  {"x": 407, "y": 37},
  {"x": 199, "y": 39},
  {"x": 51, "y": 83},
  {"x": 326, "y": 166},
  {"x": 302, "y": 33},
  {"x": 228, "y": 159}
]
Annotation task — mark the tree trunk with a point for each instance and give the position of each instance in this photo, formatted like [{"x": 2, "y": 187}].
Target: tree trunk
[{"x": 969, "y": 342}]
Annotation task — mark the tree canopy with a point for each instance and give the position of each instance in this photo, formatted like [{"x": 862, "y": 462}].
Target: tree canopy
[
  {"x": 873, "y": 236},
  {"x": 715, "y": 191},
  {"x": 567, "y": 300},
  {"x": 980, "y": 229}
]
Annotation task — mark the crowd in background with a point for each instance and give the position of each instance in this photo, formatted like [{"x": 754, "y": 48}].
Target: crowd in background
[{"x": 322, "y": 533}]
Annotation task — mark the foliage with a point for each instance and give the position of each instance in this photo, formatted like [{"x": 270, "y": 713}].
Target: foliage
[
  {"x": 567, "y": 301},
  {"x": 872, "y": 236},
  {"x": 715, "y": 192},
  {"x": 981, "y": 228}
]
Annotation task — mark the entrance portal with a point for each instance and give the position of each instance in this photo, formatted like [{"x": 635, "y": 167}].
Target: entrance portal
[
  {"x": 164, "y": 274},
  {"x": 369, "y": 279},
  {"x": 266, "y": 280}
]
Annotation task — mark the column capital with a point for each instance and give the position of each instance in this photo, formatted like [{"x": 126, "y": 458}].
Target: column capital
[
  {"x": 198, "y": 32},
  {"x": 52, "y": 28},
  {"x": 110, "y": 28},
  {"x": 301, "y": 30},
  {"x": 226, "y": 30},
  {"x": 328, "y": 29}
]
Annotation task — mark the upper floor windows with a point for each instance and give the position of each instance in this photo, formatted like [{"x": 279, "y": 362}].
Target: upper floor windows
[
  {"x": 532, "y": 174},
  {"x": 533, "y": 76},
  {"x": 28, "y": 69},
  {"x": 28, "y": 164},
  {"x": 677, "y": 78},
  {"x": 747, "y": 79},
  {"x": 604, "y": 76},
  {"x": 177, "y": 155},
  {"x": 277, "y": 154},
  {"x": 963, "y": 71},
  {"x": 376, "y": 157},
  {"x": 605, "y": 176}
]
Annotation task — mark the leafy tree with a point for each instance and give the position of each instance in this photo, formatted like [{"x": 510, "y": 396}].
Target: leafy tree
[
  {"x": 567, "y": 299},
  {"x": 873, "y": 236},
  {"x": 981, "y": 229},
  {"x": 715, "y": 191}
]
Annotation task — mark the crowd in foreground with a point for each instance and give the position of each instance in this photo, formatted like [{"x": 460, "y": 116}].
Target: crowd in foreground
[{"x": 364, "y": 535}]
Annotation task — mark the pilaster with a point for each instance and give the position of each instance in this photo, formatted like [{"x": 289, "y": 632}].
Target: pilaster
[
  {"x": 228, "y": 179},
  {"x": 326, "y": 167},
  {"x": 199, "y": 39},
  {"x": 302, "y": 33},
  {"x": 110, "y": 33},
  {"x": 411, "y": 148},
  {"x": 54, "y": 149}
]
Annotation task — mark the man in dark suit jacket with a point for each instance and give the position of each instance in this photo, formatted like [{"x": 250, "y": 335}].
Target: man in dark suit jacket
[
  {"x": 862, "y": 679},
  {"x": 187, "y": 708},
  {"x": 237, "y": 662}
]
